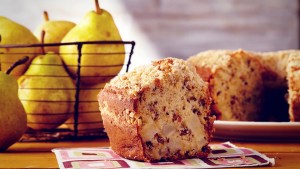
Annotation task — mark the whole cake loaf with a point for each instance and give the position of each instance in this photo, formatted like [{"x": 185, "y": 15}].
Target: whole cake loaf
[
  {"x": 235, "y": 83},
  {"x": 158, "y": 112}
]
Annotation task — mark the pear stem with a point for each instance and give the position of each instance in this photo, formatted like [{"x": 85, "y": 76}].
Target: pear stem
[
  {"x": 46, "y": 16},
  {"x": 43, "y": 40},
  {"x": 17, "y": 63},
  {"x": 98, "y": 9}
]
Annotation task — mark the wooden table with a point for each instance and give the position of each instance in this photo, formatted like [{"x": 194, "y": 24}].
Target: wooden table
[{"x": 39, "y": 155}]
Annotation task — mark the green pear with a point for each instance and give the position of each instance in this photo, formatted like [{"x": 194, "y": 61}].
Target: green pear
[
  {"x": 89, "y": 117},
  {"x": 54, "y": 30},
  {"x": 12, "y": 114},
  {"x": 99, "y": 63},
  {"x": 47, "y": 92},
  {"x": 16, "y": 34}
]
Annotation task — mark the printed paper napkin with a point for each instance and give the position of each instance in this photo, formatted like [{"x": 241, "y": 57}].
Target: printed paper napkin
[{"x": 222, "y": 155}]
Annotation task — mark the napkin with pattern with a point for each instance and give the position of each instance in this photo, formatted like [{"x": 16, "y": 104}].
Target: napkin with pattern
[{"x": 223, "y": 155}]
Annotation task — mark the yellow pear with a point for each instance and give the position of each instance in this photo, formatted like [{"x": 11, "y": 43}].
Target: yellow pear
[
  {"x": 12, "y": 114},
  {"x": 13, "y": 33},
  {"x": 47, "y": 92},
  {"x": 89, "y": 117},
  {"x": 99, "y": 63},
  {"x": 54, "y": 30}
]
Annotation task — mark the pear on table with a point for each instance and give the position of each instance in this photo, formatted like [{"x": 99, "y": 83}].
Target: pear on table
[
  {"x": 13, "y": 33},
  {"x": 54, "y": 30},
  {"x": 13, "y": 121},
  {"x": 47, "y": 92},
  {"x": 99, "y": 63}
]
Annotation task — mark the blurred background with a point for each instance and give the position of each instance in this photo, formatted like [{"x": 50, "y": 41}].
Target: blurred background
[{"x": 176, "y": 28}]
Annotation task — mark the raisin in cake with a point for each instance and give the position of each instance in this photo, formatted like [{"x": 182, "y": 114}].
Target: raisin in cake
[
  {"x": 235, "y": 83},
  {"x": 293, "y": 77},
  {"x": 158, "y": 112}
]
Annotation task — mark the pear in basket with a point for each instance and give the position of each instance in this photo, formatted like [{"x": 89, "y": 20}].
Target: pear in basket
[
  {"x": 54, "y": 30},
  {"x": 13, "y": 33},
  {"x": 47, "y": 92},
  {"x": 89, "y": 117},
  {"x": 99, "y": 62}
]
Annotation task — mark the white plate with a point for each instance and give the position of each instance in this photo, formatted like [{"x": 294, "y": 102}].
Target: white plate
[{"x": 257, "y": 131}]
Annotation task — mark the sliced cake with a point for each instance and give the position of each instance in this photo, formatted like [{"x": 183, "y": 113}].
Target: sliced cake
[{"x": 158, "y": 112}]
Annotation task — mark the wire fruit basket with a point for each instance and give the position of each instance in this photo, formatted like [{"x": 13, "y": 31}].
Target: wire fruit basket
[{"x": 84, "y": 119}]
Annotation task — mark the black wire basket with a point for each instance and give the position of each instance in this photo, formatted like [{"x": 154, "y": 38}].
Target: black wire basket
[{"x": 84, "y": 121}]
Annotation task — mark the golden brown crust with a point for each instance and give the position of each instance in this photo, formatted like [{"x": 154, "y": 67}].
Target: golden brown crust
[
  {"x": 121, "y": 133},
  {"x": 119, "y": 139},
  {"x": 205, "y": 73},
  {"x": 117, "y": 104}
]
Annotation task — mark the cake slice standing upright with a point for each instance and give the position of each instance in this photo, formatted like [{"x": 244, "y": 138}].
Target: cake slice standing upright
[{"x": 158, "y": 112}]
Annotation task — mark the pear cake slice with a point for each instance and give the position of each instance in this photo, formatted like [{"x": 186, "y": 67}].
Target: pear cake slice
[{"x": 158, "y": 112}]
